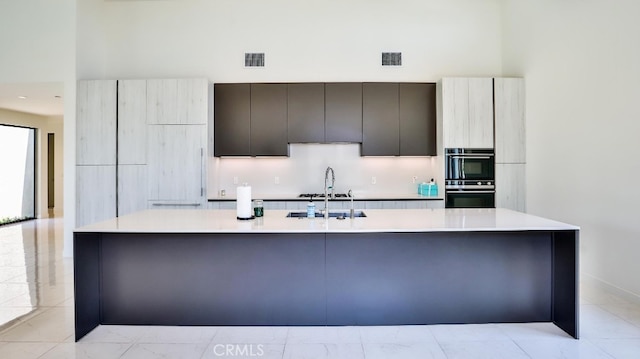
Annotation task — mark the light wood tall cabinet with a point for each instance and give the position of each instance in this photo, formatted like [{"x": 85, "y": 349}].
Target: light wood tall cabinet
[
  {"x": 95, "y": 151},
  {"x": 141, "y": 144},
  {"x": 467, "y": 112},
  {"x": 510, "y": 144}
]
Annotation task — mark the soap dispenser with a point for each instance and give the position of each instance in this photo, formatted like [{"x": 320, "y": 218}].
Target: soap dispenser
[{"x": 311, "y": 209}]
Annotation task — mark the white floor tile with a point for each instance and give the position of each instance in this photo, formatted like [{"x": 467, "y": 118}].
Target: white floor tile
[
  {"x": 403, "y": 351},
  {"x": 53, "y": 325},
  {"x": 162, "y": 334},
  {"x": 499, "y": 349},
  {"x": 397, "y": 334},
  {"x": 86, "y": 351},
  {"x": 469, "y": 332},
  {"x": 597, "y": 323},
  {"x": 157, "y": 351},
  {"x": 256, "y": 335},
  {"x": 114, "y": 334},
  {"x": 336, "y": 335},
  {"x": 323, "y": 351},
  {"x": 24, "y": 350},
  {"x": 533, "y": 331},
  {"x": 561, "y": 349},
  {"x": 620, "y": 348}
]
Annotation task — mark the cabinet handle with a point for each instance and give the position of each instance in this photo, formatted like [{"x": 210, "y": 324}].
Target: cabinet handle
[
  {"x": 177, "y": 204},
  {"x": 201, "y": 172}
]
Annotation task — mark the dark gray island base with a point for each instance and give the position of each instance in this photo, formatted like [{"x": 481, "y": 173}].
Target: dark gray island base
[{"x": 320, "y": 279}]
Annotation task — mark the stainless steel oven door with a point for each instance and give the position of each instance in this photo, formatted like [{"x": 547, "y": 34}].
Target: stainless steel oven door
[
  {"x": 462, "y": 167},
  {"x": 470, "y": 199}
]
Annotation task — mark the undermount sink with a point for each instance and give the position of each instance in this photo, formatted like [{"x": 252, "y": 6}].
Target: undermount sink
[{"x": 340, "y": 214}]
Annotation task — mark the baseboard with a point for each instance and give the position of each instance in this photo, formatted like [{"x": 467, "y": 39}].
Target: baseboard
[{"x": 610, "y": 288}]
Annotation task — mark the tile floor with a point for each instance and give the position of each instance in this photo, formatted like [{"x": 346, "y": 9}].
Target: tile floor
[{"x": 36, "y": 321}]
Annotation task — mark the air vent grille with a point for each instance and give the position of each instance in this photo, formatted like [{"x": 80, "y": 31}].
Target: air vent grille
[
  {"x": 254, "y": 59},
  {"x": 392, "y": 59}
]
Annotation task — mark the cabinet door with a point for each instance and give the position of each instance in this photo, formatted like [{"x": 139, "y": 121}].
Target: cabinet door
[
  {"x": 132, "y": 188},
  {"x": 480, "y": 113},
  {"x": 269, "y": 120},
  {"x": 455, "y": 112},
  {"x": 177, "y": 101},
  {"x": 511, "y": 186},
  {"x": 380, "y": 119},
  {"x": 417, "y": 119},
  {"x": 132, "y": 122},
  {"x": 305, "y": 113},
  {"x": 96, "y": 123},
  {"x": 343, "y": 112},
  {"x": 232, "y": 119},
  {"x": 510, "y": 120},
  {"x": 95, "y": 194},
  {"x": 176, "y": 168}
]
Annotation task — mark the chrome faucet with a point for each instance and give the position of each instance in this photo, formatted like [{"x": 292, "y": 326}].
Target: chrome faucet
[
  {"x": 326, "y": 188},
  {"x": 351, "y": 212}
]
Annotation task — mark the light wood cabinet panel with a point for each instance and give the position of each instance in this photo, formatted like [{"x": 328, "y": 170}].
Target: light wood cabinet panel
[
  {"x": 132, "y": 188},
  {"x": 176, "y": 162},
  {"x": 467, "y": 112},
  {"x": 511, "y": 186},
  {"x": 510, "y": 120},
  {"x": 96, "y": 123},
  {"x": 132, "y": 122},
  {"x": 480, "y": 113},
  {"x": 177, "y": 101},
  {"x": 455, "y": 112},
  {"x": 95, "y": 194}
]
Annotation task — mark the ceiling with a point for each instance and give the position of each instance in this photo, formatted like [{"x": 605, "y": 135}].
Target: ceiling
[{"x": 40, "y": 98}]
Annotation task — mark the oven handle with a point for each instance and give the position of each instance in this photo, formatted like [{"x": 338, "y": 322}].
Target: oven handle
[{"x": 473, "y": 157}]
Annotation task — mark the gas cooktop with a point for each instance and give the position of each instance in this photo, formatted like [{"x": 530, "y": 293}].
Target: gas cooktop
[{"x": 321, "y": 195}]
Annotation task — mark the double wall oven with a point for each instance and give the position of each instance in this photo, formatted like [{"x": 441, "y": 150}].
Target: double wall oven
[{"x": 470, "y": 178}]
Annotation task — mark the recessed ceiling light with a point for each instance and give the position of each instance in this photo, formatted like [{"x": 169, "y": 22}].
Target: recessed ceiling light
[
  {"x": 58, "y": 96},
  {"x": 22, "y": 97}
]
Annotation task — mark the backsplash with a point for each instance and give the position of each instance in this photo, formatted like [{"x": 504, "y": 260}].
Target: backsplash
[{"x": 303, "y": 172}]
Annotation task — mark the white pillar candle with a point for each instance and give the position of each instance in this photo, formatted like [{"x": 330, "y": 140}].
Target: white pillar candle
[{"x": 243, "y": 201}]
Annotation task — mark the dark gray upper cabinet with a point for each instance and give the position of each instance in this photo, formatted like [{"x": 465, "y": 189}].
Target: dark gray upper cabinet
[
  {"x": 306, "y": 113},
  {"x": 343, "y": 112},
  {"x": 380, "y": 119},
  {"x": 232, "y": 124},
  {"x": 417, "y": 119},
  {"x": 269, "y": 120}
]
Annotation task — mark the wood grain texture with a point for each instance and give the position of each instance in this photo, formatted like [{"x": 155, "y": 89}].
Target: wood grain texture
[
  {"x": 480, "y": 113},
  {"x": 96, "y": 122},
  {"x": 176, "y": 166},
  {"x": 132, "y": 122},
  {"x": 95, "y": 194},
  {"x": 510, "y": 120},
  {"x": 132, "y": 188},
  {"x": 455, "y": 112},
  {"x": 511, "y": 186}
]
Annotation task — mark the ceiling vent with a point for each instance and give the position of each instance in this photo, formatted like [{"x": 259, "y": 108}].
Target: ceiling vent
[
  {"x": 392, "y": 59},
  {"x": 254, "y": 59}
]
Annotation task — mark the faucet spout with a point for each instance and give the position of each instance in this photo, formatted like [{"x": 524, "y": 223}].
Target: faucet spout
[{"x": 326, "y": 189}]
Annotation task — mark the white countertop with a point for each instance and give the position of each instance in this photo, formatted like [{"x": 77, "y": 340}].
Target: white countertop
[{"x": 377, "y": 220}]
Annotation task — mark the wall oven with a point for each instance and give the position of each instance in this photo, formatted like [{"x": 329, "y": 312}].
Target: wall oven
[{"x": 470, "y": 178}]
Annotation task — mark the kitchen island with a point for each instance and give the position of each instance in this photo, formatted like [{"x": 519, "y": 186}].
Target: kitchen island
[{"x": 393, "y": 267}]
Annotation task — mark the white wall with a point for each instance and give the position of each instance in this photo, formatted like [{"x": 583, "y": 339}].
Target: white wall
[
  {"x": 332, "y": 40},
  {"x": 580, "y": 60},
  {"x": 44, "y": 125},
  {"x": 303, "y": 172}
]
